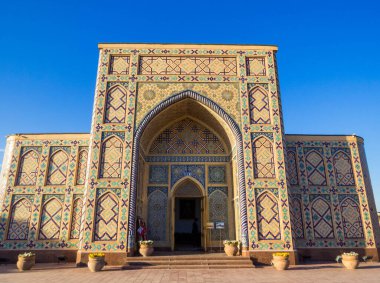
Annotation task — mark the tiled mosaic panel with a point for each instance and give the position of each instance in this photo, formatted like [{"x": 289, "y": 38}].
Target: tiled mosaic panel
[
  {"x": 187, "y": 137},
  {"x": 181, "y": 65},
  {"x": 111, "y": 158},
  {"x": 256, "y": 66},
  {"x": 51, "y": 219},
  {"x": 263, "y": 158},
  {"x": 218, "y": 211},
  {"x": 344, "y": 175},
  {"x": 76, "y": 218},
  {"x": 292, "y": 166},
  {"x": 82, "y": 166},
  {"x": 322, "y": 219},
  {"x": 58, "y": 166},
  {"x": 352, "y": 222},
  {"x": 158, "y": 174},
  {"x": 28, "y": 169},
  {"x": 116, "y": 105},
  {"x": 157, "y": 213},
  {"x": 297, "y": 219},
  {"x": 180, "y": 171},
  {"x": 315, "y": 166},
  {"x": 268, "y": 217},
  {"x": 19, "y": 220},
  {"x": 106, "y": 218},
  {"x": 119, "y": 65},
  {"x": 216, "y": 174},
  {"x": 259, "y": 107},
  {"x": 226, "y": 95}
]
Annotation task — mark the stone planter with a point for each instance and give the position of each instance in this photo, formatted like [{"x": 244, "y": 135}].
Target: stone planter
[
  {"x": 230, "y": 250},
  {"x": 350, "y": 261},
  {"x": 96, "y": 264},
  {"x": 146, "y": 250},
  {"x": 26, "y": 263},
  {"x": 280, "y": 262}
]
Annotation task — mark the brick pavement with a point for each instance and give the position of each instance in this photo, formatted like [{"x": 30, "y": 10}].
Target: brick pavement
[{"x": 65, "y": 273}]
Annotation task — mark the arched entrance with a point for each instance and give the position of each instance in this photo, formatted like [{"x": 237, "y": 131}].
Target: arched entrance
[
  {"x": 213, "y": 159},
  {"x": 188, "y": 218}
]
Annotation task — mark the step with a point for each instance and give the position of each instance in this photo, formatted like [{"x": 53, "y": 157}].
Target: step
[{"x": 187, "y": 267}]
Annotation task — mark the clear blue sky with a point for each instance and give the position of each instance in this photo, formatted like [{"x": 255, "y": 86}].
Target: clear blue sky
[{"x": 329, "y": 58}]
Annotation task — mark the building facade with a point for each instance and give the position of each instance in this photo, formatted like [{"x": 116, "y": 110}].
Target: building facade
[{"x": 186, "y": 135}]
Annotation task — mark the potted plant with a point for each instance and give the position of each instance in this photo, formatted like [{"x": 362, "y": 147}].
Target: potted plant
[
  {"x": 146, "y": 248},
  {"x": 26, "y": 261},
  {"x": 96, "y": 261},
  {"x": 231, "y": 247},
  {"x": 350, "y": 260},
  {"x": 280, "y": 261}
]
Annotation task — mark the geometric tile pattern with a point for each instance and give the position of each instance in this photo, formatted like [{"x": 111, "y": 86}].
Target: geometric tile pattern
[
  {"x": 263, "y": 158},
  {"x": 315, "y": 168},
  {"x": 259, "y": 106},
  {"x": 157, "y": 215},
  {"x": 187, "y": 137},
  {"x": 119, "y": 65},
  {"x": 58, "y": 166},
  {"x": 297, "y": 219},
  {"x": 352, "y": 222},
  {"x": 28, "y": 169},
  {"x": 158, "y": 174},
  {"x": 51, "y": 218},
  {"x": 116, "y": 105},
  {"x": 218, "y": 211},
  {"x": 256, "y": 66},
  {"x": 179, "y": 65},
  {"x": 322, "y": 219},
  {"x": 106, "y": 218},
  {"x": 76, "y": 217},
  {"x": 344, "y": 175},
  {"x": 292, "y": 167},
  {"x": 216, "y": 174},
  {"x": 111, "y": 158},
  {"x": 19, "y": 220},
  {"x": 268, "y": 217},
  {"x": 82, "y": 166},
  {"x": 179, "y": 171}
]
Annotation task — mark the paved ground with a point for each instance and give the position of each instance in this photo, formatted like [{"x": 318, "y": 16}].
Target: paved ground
[{"x": 53, "y": 273}]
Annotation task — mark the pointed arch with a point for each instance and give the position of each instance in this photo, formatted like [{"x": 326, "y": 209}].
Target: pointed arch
[
  {"x": 157, "y": 215},
  {"x": 292, "y": 167},
  {"x": 322, "y": 219},
  {"x": 218, "y": 211},
  {"x": 344, "y": 175},
  {"x": 51, "y": 218},
  {"x": 315, "y": 168},
  {"x": 116, "y": 103},
  {"x": 259, "y": 107},
  {"x": 188, "y": 94},
  {"x": 28, "y": 169},
  {"x": 76, "y": 217},
  {"x": 58, "y": 165},
  {"x": 296, "y": 212},
  {"x": 111, "y": 158},
  {"x": 106, "y": 217},
  {"x": 268, "y": 219},
  {"x": 352, "y": 221},
  {"x": 263, "y": 158},
  {"x": 82, "y": 166},
  {"x": 19, "y": 220}
]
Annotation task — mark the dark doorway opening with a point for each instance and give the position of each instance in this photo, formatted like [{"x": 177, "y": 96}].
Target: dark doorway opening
[{"x": 188, "y": 223}]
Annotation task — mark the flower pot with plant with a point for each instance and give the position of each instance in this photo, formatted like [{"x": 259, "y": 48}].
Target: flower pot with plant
[
  {"x": 350, "y": 260},
  {"x": 96, "y": 262},
  {"x": 280, "y": 261},
  {"x": 26, "y": 261},
  {"x": 146, "y": 248},
  {"x": 231, "y": 247}
]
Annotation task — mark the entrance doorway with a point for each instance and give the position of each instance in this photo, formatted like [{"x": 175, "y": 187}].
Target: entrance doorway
[{"x": 187, "y": 217}]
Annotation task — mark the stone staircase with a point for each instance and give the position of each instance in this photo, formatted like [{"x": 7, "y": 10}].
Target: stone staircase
[{"x": 190, "y": 261}]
